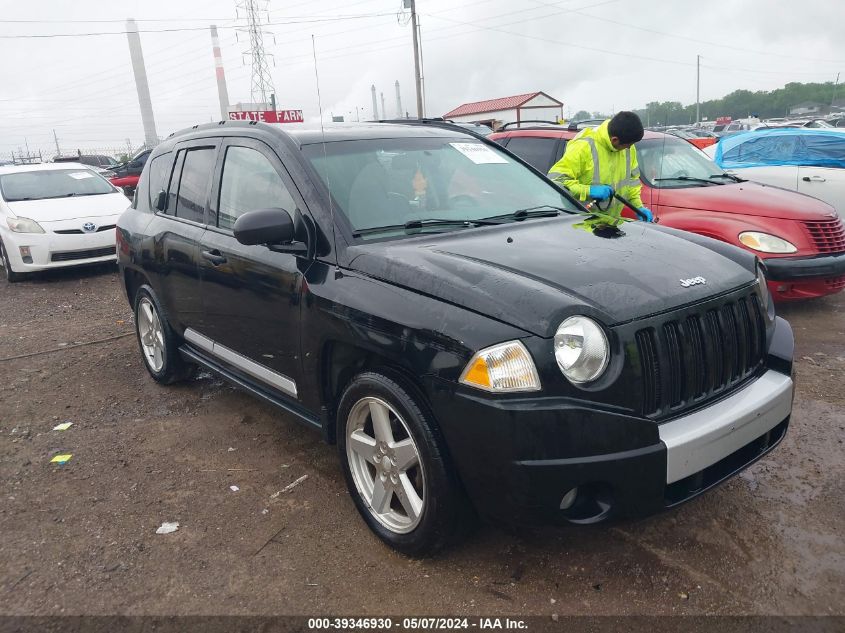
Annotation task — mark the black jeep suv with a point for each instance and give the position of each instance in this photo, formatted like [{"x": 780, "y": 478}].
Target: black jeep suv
[{"x": 470, "y": 337}]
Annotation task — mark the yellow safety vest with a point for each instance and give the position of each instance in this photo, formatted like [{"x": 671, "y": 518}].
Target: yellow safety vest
[{"x": 590, "y": 159}]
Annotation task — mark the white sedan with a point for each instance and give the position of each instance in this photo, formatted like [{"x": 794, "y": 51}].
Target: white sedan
[
  {"x": 56, "y": 215},
  {"x": 807, "y": 160}
]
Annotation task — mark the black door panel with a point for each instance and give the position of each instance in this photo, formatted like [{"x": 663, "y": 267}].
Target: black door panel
[{"x": 251, "y": 294}]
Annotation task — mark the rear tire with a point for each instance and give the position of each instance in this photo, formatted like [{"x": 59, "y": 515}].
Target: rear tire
[
  {"x": 11, "y": 275},
  {"x": 396, "y": 467},
  {"x": 158, "y": 343}
]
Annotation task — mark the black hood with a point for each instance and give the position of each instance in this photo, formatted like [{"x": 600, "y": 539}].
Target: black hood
[{"x": 535, "y": 273}]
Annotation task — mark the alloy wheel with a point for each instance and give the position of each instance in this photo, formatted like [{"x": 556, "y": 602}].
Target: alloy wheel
[
  {"x": 385, "y": 464},
  {"x": 151, "y": 334}
]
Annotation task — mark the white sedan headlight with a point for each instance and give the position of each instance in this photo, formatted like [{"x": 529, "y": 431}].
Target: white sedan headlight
[
  {"x": 766, "y": 243},
  {"x": 502, "y": 368},
  {"x": 581, "y": 349},
  {"x": 24, "y": 225}
]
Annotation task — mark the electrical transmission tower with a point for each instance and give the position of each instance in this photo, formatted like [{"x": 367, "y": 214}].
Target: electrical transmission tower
[{"x": 255, "y": 12}]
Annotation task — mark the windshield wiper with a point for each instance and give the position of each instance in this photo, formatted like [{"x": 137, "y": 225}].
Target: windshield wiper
[
  {"x": 727, "y": 175},
  {"x": 420, "y": 224},
  {"x": 688, "y": 179},
  {"x": 541, "y": 211}
]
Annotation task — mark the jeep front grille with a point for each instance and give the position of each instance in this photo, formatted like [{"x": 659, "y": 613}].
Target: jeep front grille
[{"x": 693, "y": 359}]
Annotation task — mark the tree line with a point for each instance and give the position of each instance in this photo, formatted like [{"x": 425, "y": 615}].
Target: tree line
[{"x": 737, "y": 105}]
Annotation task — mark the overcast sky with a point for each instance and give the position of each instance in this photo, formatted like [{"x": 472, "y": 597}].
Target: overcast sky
[{"x": 590, "y": 54}]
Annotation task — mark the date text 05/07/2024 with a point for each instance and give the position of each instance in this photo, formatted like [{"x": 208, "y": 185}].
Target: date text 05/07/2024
[{"x": 417, "y": 624}]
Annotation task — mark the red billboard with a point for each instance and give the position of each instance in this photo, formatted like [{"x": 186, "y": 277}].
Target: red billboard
[{"x": 268, "y": 116}]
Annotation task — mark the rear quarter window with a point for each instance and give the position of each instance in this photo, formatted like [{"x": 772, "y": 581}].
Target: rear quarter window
[{"x": 158, "y": 176}]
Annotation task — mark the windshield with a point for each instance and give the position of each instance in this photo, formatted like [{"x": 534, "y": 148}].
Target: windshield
[
  {"x": 671, "y": 162},
  {"x": 390, "y": 182},
  {"x": 55, "y": 183}
]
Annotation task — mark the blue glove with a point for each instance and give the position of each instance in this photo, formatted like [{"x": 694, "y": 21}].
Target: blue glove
[
  {"x": 647, "y": 215},
  {"x": 601, "y": 192}
]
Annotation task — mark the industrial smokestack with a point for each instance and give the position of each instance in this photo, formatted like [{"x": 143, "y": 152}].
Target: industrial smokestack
[
  {"x": 222, "y": 92},
  {"x": 398, "y": 101},
  {"x": 375, "y": 104},
  {"x": 146, "y": 105},
  {"x": 383, "y": 109}
]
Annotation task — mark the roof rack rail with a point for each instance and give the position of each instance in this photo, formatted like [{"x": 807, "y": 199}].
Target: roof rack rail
[
  {"x": 575, "y": 126},
  {"x": 436, "y": 122},
  {"x": 519, "y": 124}
]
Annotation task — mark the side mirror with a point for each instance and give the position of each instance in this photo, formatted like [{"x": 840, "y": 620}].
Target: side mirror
[
  {"x": 265, "y": 226},
  {"x": 161, "y": 200}
]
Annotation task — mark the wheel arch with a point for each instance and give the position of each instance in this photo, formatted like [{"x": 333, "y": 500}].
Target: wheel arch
[{"x": 339, "y": 364}]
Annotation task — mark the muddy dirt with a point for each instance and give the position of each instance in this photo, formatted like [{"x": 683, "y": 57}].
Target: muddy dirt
[{"x": 81, "y": 538}]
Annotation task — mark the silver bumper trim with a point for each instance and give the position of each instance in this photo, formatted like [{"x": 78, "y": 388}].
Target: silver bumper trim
[{"x": 698, "y": 440}]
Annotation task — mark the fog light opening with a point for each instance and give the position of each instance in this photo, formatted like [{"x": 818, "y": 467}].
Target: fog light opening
[
  {"x": 588, "y": 503},
  {"x": 26, "y": 255},
  {"x": 568, "y": 499}
]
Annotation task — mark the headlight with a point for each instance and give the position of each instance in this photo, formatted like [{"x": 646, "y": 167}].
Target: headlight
[
  {"x": 581, "y": 349},
  {"x": 765, "y": 295},
  {"x": 766, "y": 243},
  {"x": 24, "y": 225},
  {"x": 502, "y": 368}
]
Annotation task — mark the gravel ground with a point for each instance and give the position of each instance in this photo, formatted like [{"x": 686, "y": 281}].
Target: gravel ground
[{"x": 81, "y": 538}]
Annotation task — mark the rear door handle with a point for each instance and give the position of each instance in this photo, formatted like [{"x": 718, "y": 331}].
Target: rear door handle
[
  {"x": 813, "y": 179},
  {"x": 215, "y": 257}
]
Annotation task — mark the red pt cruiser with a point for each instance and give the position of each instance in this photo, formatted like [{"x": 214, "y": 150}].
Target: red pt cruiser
[{"x": 800, "y": 239}]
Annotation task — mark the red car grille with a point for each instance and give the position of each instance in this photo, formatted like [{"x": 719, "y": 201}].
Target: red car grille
[{"x": 828, "y": 235}]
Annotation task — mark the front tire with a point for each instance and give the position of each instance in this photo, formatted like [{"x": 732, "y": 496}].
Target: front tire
[
  {"x": 157, "y": 341},
  {"x": 11, "y": 275},
  {"x": 396, "y": 467}
]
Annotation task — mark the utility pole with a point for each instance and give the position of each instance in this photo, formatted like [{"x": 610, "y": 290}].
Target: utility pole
[
  {"x": 273, "y": 101},
  {"x": 56, "y": 138},
  {"x": 417, "y": 78},
  {"x": 835, "y": 84},
  {"x": 697, "y": 89}
]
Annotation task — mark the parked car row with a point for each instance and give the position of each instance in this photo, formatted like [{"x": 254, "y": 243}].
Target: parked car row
[{"x": 800, "y": 239}]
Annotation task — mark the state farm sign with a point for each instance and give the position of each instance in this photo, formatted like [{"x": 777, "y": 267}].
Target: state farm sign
[{"x": 268, "y": 116}]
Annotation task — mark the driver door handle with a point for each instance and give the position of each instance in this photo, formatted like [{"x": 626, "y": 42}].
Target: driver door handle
[
  {"x": 215, "y": 257},
  {"x": 813, "y": 179}
]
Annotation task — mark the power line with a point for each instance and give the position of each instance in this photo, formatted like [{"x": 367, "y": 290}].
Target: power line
[{"x": 193, "y": 28}]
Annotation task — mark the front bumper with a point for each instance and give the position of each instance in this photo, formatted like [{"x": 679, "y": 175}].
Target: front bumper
[
  {"x": 54, "y": 250},
  {"x": 518, "y": 458},
  {"x": 804, "y": 268}
]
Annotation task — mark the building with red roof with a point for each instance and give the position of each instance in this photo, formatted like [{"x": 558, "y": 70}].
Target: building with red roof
[{"x": 494, "y": 112}]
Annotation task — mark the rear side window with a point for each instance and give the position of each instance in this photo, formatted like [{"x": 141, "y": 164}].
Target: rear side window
[
  {"x": 250, "y": 182},
  {"x": 193, "y": 185},
  {"x": 537, "y": 152},
  {"x": 158, "y": 175}
]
